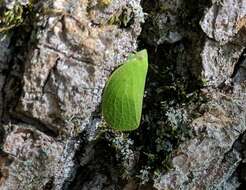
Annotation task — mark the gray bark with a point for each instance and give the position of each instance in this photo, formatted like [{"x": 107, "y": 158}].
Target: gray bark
[{"x": 53, "y": 69}]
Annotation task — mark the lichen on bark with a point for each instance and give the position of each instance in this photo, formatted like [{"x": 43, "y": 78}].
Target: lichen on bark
[{"x": 55, "y": 58}]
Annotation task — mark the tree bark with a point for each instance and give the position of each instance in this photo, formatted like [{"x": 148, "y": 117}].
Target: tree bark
[{"x": 55, "y": 58}]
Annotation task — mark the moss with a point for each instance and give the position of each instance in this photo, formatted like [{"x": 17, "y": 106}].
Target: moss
[
  {"x": 11, "y": 18},
  {"x": 24, "y": 15},
  {"x": 15, "y": 17},
  {"x": 123, "y": 18}
]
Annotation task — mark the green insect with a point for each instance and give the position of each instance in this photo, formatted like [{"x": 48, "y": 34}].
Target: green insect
[{"x": 123, "y": 94}]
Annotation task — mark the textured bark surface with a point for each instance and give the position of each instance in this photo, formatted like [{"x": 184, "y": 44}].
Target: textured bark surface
[
  {"x": 55, "y": 57},
  {"x": 62, "y": 70}
]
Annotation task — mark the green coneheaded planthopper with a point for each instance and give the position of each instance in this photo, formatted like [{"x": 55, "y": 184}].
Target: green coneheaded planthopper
[{"x": 123, "y": 94}]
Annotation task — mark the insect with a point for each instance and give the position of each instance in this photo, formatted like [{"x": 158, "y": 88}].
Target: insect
[{"x": 123, "y": 94}]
